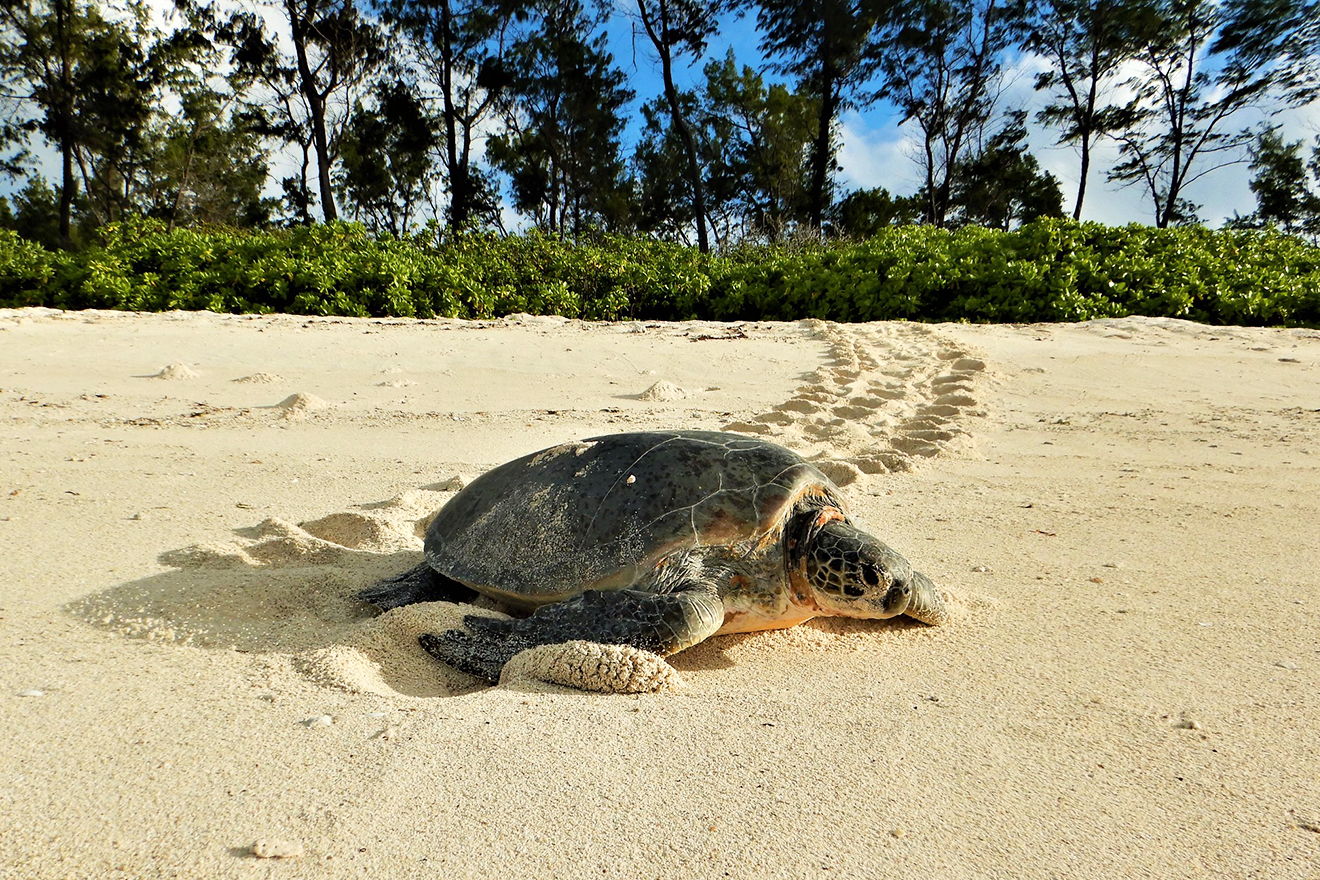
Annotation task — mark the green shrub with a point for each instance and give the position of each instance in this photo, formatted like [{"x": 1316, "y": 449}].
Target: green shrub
[
  {"x": 1048, "y": 270},
  {"x": 27, "y": 271}
]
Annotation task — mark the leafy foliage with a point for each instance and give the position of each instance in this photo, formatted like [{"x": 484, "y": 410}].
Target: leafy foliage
[
  {"x": 561, "y": 146},
  {"x": 1003, "y": 184},
  {"x": 1047, "y": 270},
  {"x": 1283, "y": 185},
  {"x": 386, "y": 157}
]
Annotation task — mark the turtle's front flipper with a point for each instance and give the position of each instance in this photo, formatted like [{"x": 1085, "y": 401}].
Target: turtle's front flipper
[
  {"x": 659, "y": 622},
  {"x": 419, "y": 584},
  {"x": 927, "y": 604}
]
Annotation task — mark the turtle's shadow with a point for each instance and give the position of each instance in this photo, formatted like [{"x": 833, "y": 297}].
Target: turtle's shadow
[
  {"x": 721, "y": 652},
  {"x": 218, "y": 602},
  {"x": 710, "y": 654}
]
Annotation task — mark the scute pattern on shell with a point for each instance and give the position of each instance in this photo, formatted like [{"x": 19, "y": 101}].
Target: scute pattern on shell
[{"x": 569, "y": 518}]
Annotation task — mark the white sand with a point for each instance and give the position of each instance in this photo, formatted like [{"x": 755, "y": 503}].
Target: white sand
[{"x": 1125, "y": 511}]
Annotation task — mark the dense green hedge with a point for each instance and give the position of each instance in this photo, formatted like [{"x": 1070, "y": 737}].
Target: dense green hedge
[{"x": 1050, "y": 270}]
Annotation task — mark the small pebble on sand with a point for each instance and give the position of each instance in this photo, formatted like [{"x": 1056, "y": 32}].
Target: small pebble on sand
[{"x": 277, "y": 849}]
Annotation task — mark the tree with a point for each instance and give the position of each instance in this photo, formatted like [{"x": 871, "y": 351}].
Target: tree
[
  {"x": 561, "y": 145},
  {"x": 335, "y": 51},
  {"x": 752, "y": 142},
  {"x": 940, "y": 61},
  {"x": 762, "y": 149},
  {"x": 865, "y": 212},
  {"x": 387, "y": 158},
  {"x": 457, "y": 47},
  {"x": 662, "y": 201},
  {"x": 1002, "y": 186},
  {"x": 85, "y": 84},
  {"x": 1283, "y": 35},
  {"x": 207, "y": 164},
  {"x": 1087, "y": 41},
  {"x": 35, "y": 214},
  {"x": 674, "y": 27},
  {"x": 827, "y": 45},
  {"x": 1286, "y": 186},
  {"x": 1193, "y": 86}
]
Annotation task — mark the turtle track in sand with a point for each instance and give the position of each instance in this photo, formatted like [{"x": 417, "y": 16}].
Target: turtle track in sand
[{"x": 893, "y": 395}]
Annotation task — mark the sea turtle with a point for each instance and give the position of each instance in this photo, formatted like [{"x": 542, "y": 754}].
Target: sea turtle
[{"x": 654, "y": 539}]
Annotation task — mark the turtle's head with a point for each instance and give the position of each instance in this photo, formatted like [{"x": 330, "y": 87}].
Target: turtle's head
[{"x": 852, "y": 574}]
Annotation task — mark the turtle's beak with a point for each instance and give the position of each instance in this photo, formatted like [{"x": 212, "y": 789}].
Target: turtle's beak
[{"x": 897, "y": 599}]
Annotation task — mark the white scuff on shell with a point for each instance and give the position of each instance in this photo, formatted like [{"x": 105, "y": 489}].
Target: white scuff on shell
[{"x": 589, "y": 666}]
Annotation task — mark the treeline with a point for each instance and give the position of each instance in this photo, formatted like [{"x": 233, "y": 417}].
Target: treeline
[
  {"x": 403, "y": 111},
  {"x": 1046, "y": 270}
]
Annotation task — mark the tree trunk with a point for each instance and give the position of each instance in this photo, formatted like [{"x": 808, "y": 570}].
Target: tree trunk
[
  {"x": 690, "y": 148},
  {"x": 315, "y": 109},
  {"x": 820, "y": 158},
  {"x": 460, "y": 188},
  {"x": 1086, "y": 166},
  {"x": 663, "y": 48},
  {"x": 68, "y": 182}
]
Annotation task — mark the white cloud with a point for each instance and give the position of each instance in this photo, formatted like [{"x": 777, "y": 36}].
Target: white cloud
[{"x": 876, "y": 157}]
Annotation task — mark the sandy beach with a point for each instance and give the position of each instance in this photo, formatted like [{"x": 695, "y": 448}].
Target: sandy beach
[{"x": 1124, "y": 516}]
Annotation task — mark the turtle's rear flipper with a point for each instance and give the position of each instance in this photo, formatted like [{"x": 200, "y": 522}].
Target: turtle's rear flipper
[
  {"x": 419, "y": 584},
  {"x": 659, "y": 622}
]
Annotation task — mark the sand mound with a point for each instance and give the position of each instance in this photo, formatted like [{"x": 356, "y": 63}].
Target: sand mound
[
  {"x": 383, "y": 657},
  {"x": 450, "y": 484},
  {"x": 260, "y": 379},
  {"x": 364, "y": 532},
  {"x": 299, "y": 404},
  {"x": 664, "y": 391},
  {"x": 176, "y": 371},
  {"x": 385, "y": 527}
]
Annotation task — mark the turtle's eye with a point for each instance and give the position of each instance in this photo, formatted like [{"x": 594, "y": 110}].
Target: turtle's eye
[{"x": 871, "y": 576}]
